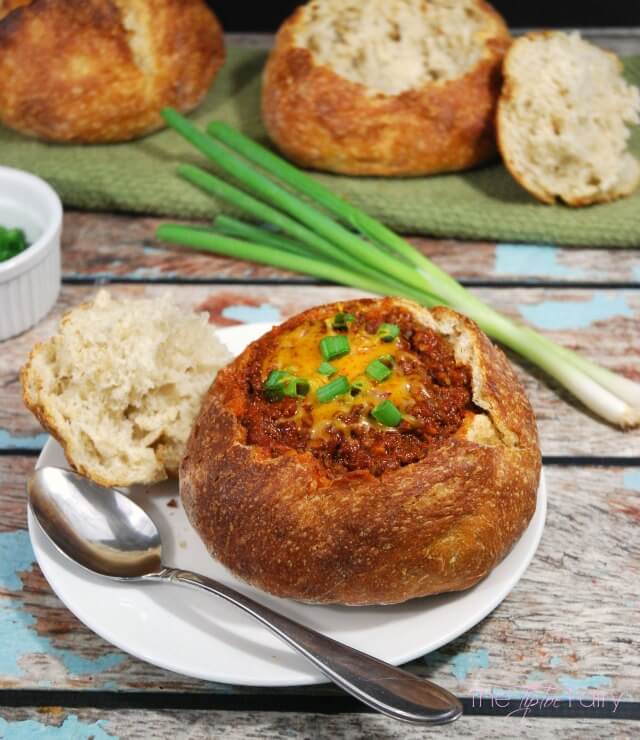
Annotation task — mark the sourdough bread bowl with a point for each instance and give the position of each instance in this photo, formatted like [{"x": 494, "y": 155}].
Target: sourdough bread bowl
[
  {"x": 564, "y": 119},
  {"x": 386, "y": 87},
  {"x": 92, "y": 71},
  {"x": 322, "y": 497}
]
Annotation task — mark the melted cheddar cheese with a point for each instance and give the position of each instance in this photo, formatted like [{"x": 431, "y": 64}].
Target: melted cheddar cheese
[{"x": 299, "y": 353}]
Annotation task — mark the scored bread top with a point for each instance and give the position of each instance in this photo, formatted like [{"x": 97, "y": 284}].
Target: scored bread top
[
  {"x": 563, "y": 120},
  {"x": 101, "y": 70},
  {"x": 120, "y": 384}
]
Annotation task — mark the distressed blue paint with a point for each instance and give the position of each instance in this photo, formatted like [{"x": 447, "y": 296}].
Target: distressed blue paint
[
  {"x": 9, "y": 442},
  {"x": 636, "y": 272},
  {"x": 555, "y": 661},
  {"x": 16, "y": 556},
  {"x": 79, "y": 666},
  {"x": 18, "y": 637},
  {"x": 463, "y": 663},
  {"x": 533, "y": 260},
  {"x": 150, "y": 273},
  {"x": 536, "y": 677},
  {"x": 579, "y": 684},
  {"x": 575, "y": 314},
  {"x": 632, "y": 480},
  {"x": 71, "y": 729},
  {"x": 264, "y": 313}
]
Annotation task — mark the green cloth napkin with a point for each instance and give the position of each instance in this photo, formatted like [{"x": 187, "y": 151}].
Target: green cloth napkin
[{"x": 485, "y": 203}]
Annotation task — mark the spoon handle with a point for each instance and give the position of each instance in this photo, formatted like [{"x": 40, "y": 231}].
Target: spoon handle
[{"x": 387, "y": 689}]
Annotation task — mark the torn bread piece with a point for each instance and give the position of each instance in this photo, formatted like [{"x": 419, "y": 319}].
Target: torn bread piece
[
  {"x": 564, "y": 118},
  {"x": 120, "y": 384}
]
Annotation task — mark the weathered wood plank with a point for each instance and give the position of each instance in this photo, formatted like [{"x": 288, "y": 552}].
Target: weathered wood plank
[
  {"x": 140, "y": 724},
  {"x": 568, "y": 629},
  {"x": 604, "y": 325},
  {"x": 107, "y": 247}
]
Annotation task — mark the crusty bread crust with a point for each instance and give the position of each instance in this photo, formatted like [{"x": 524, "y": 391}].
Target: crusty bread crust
[
  {"x": 512, "y": 88},
  {"x": 324, "y": 121},
  {"x": 92, "y": 71},
  {"x": 32, "y": 391},
  {"x": 437, "y": 525}
]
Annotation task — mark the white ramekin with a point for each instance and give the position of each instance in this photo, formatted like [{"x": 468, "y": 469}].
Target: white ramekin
[{"x": 29, "y": 282}]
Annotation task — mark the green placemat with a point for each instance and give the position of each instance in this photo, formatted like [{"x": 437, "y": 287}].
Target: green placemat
[{"x": 482, "y": 204}]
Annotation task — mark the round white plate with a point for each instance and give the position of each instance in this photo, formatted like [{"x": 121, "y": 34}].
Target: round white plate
[{"x": 204, "y": 637}]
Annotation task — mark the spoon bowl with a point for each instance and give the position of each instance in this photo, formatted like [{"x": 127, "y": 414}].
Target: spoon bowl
[{"x": 105, "y": 532}]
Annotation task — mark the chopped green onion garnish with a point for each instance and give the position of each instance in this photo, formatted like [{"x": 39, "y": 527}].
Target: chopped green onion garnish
[
  {"x": 12, "y": 242},
  {"x": 388, "y": 360},
  {"x": 302, "y": 387},
  {"x": 281, "y": 383},
  {"x": 276, "y": 393},
  {"x": 327, "y": 369},
  {"x": 276, "y": 377},
  {"x": 290, "y": 388},
  {"x": 358, "y": 386},
  {"x": 342, "y": 320},
  {"x": 388, "y": 332},
  {"x": 378, "y": 371},
  {"x": 337, "y": 387},
  {"x": 386, "y": 413},
  {"x": 334, "y": 346}
]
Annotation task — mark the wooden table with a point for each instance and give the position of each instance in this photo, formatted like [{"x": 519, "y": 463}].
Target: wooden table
[{"x": 558, "y": 658}]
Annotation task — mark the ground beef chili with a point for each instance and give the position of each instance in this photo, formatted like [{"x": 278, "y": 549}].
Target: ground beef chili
[{"x": 432, "y": 390}]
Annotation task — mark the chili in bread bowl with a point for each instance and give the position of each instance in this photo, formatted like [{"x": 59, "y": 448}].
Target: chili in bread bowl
[
  {"x": 366, "y": 452},
  {"x": 386, "y": 87}
]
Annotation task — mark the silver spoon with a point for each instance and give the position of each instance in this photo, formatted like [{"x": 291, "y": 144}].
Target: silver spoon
[{"x": 107, "y": 533}]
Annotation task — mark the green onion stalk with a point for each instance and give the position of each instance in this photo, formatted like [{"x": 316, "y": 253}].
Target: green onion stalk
[{"x": 315, "y": 232}]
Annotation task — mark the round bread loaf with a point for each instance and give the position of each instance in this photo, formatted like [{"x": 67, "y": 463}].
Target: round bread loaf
[
  {"x": 91, "y": 71},
  {"x": 386, "y": 87},
  {"x": 563, "y": 120},
  {"x": 328, "y": 499}
]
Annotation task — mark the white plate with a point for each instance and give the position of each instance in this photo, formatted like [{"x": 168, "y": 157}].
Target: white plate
[{"x": 204, "y": 637}]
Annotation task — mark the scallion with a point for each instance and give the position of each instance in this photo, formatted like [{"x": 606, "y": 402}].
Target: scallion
[
  {"x": 359, "y": 385},
  {"x": 281, "y": 383},
  {"x": 378, "y": 371},
  {"x": 332, "y": 248},
  {"x": 388, "y": 332},
  {"x": 327, "y": 369},
  {"x": 275, "y": 378},
  {"x": 334, "y": 346},
  {"x": 335, "y": 388},
  {"x": 342, "y": 320},
  {"x": 387, "y": 413}
]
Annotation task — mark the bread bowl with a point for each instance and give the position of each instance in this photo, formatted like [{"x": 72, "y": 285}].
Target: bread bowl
[
  {"x": 331, "y": 501},
  {"x": 564, "y": 119},
  {"x": 386, "y": 87},
  {"x": 91, "y": 71}
]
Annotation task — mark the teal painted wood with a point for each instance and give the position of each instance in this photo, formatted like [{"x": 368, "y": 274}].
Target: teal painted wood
[
  {"x": 567, "y": 630},
  {"x": 108, "y": 247},
  {"x": 604, "y": 324}
]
